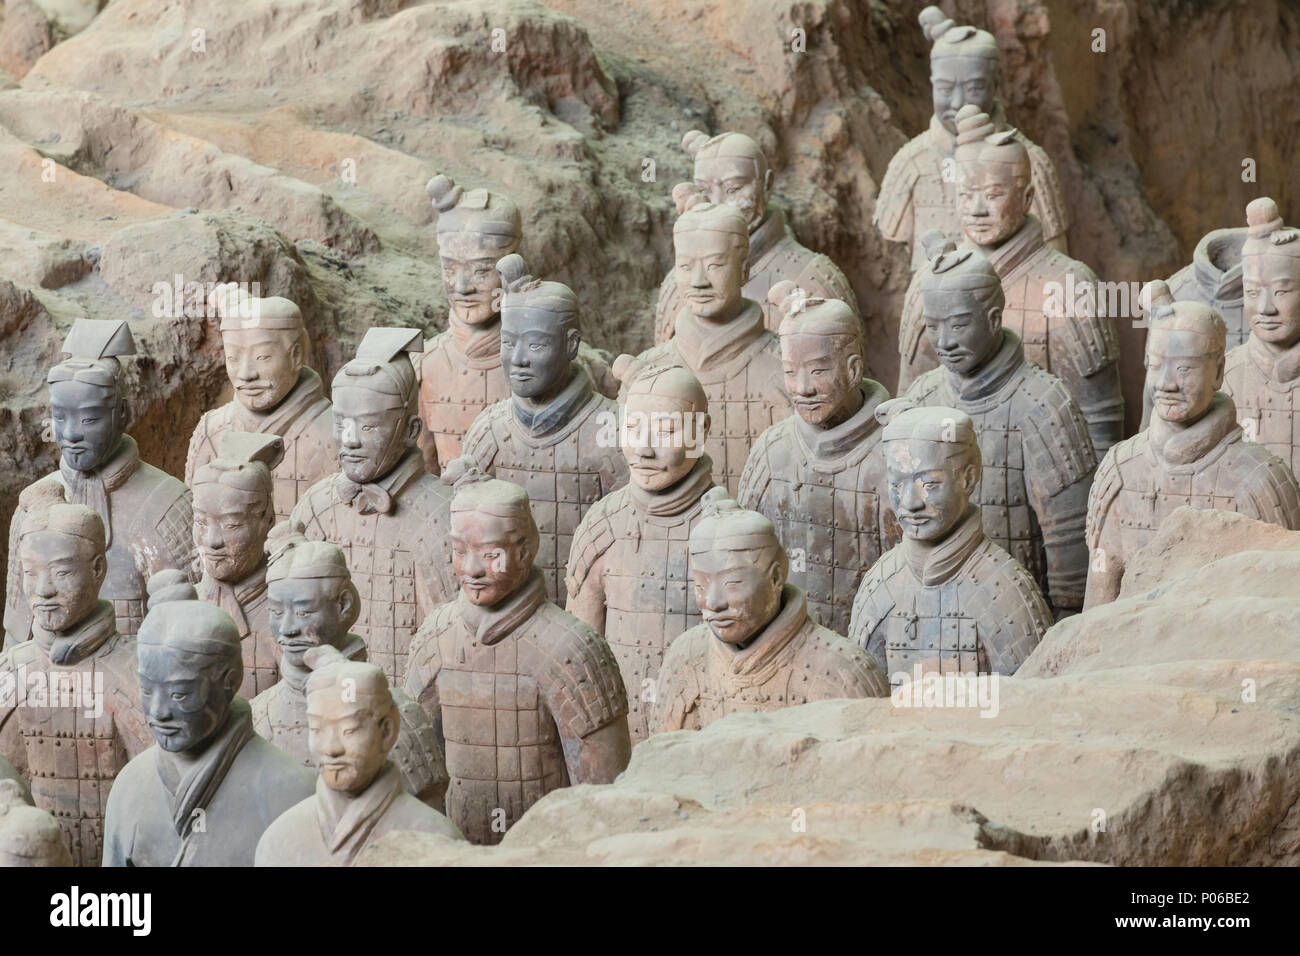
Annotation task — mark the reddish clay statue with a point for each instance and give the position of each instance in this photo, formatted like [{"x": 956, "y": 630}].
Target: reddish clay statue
[
  {"x": 1051, "y": 299},
  {"x": 947, "y": 599},
  {"x": 721, "y": 336},
  {"x": 353, "y": 722},
  {"x": 1037, "y": 456},
  {"x": 267, "y": 348},
  {"x": 528, "y": 699},
  {"x": 756, "y": 649},
  {"x": 28, "y": 835},
  {"x": 553, "y": 435},
  {"x": 1263, "y": 376},
  {"x": 69, "y": 703},
  {"x": 233, "y": 513},
  {"x": 145, "y": 511},
  {"x": 918, "y": 193},
  {"x": 383, "y": 509},
  {"x": 204, "y": 794},
  {"x": 312, "y": 603},
  {"x": 730, "y": 168},
  {"x": 461, "y": 372},
  {"x": 628, "y": 574},
  {"x": 1192, "y": 454},
  {"x": 819, "y": 476}
]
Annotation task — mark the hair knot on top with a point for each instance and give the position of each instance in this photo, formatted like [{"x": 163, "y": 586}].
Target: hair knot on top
[
  {"x": 170, "y": 585},
  {"x": 935, "y": 23},
  {"x": 693, "y": 140},
  {"x": 464, "y": 471},
  {"x": 444, "y": 192},
  {"x": 1156, "y": 299},
  {"x": 717, "y": 502},
  {"x": 942, "y": 252},
  {"x": 515, "y": 276}
]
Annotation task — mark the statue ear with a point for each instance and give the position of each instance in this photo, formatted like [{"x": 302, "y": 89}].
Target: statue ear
[
  {"x": 767, "y": 182},
  {"x": 572, "y": 338},
  {"x": 970, "y": 477},
  {"x": 123, "y": 413},
  {"x": 528, "y": 546},
  {"x": 348, "y": 606},
  {"x": 995, "y": 317},
  {"x": 856, "y": 366},
  {"x": 1218, "y": 372},
  {"x": 99, "y": 568},
  {"x": 389, "y": 726},
  {"x": 413, "y": 426},
  {"x": 1029, "y": 196},
  {"x": 779, "y": 571},
  {"x": 706, "y": 423}
]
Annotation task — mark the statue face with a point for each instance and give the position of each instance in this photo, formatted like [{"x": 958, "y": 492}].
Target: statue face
[
  {"x": 992, "y": 201},
  {"x": 660, "y": 442},
  {"x": 1180, "y": 376},
  {"x": 821, "y": 376},
  {"x": 963, "y": 333},
  {"x": 734, "y": 181},
  {"x": 490, "y": 556},
  {"x": 958, "y": 80},
  {"x": 304, "y": 614},
  {"x": 929, "y": 486},
  {"x": 1272, "y": 292},
  {"x": 61, "y": 578},
  {"x": 229, "y": 530},
  {"x": 87, "y": 421},
  {"x": 263, "y": 365},
  {"x": 348, "y": 744},
  {"x": 710, "y": 272},
  {"x": 736, "y": 596},
  {"x": 183, "y": 702},
  {"x": 371, "y": 437},
  {"x": 472, "y": 285},
  {"x": 536, "y": 352}
]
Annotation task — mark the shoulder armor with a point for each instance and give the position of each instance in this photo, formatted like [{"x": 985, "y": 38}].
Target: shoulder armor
[
  {"x": 677, "y": 688},
  {"x": 481, "y": 441},
  {"x": 424, "y": 656},
  {"x": 592, "y": 538},
  {"x": 1093, "y": 338},
  {"x": 911, "y": 327},
  {"x": 583, "y": 684},
  {"x": 1020, "y": 608},
  {"x": 1058, "y": 448},
  {"x": 1049, "y": 201},
  {"x": 757, "y": 473},
  {"x": 1106, "y": 486},
  {"x": 873, "y": 603},
  {"x": 598, "y": 365},
  {"x": 894, "y": 198},
  {"x": 417, "y": 754},
  {"x": 1271, "y": 489},
  {"x": 666, "y": 308}
]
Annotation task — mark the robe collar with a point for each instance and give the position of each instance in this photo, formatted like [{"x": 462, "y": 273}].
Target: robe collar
[
  {"x": 759, "y": 660},
  {"x": 92, "y": 488},
  {"x": 933, "y": 563},
  {"x": 306, "y": 392},
  {"x": 234, "y": 598},
  {"x": 489, "y": 625},
  {"x": 560, "y": 411},
  {"x": 832, "y": 443},
  {"x": 704, "y": 346},
  {"x": 1220, "y": 283},
  {"x": 379, "y": 496},
  {"x": 346, "y": 822},
  {"x": 480, "y": 345},
  {"x": 1182, "y": 445},
  {"x": 66, "y": 648},
  {"x": 1019, "y": 247},
  {"x": 1281, "y": 366},
  {"x": 990, "y": 377},
  {"x": 770, "y": 230},
  {"x": 678, "y": 497}
]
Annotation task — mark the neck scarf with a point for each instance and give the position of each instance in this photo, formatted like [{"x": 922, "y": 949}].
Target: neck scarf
[
  {"x": 480, "y": 344},
  {"x": 704, "y": 346},
  {"x": 490, "y": 624},
  {"x": 354, "y": 649},
  {"x": 934, "y": 563},
  {"x": 676, "y": 498},
  {"x": 376, "y": 497},
  {"x": 560, "y": 410},
  {"x": 1280, "y": 366},
  {"x": 764, "y": 655},
  {"x": 831, "y": 443},
  {"x": 234, "y": 598},
  {"x": 92, "y": 488},
  {"x": 346, "y": 822},
  {"x": 990, "y": 377},
  {"x": 1021, "y": 245},
  {"x": 1180, "y": 444},
  {"x": 769, "y": 231},
  {"x": 305, "y": 394},
  {"x": 65, "y": 648}
]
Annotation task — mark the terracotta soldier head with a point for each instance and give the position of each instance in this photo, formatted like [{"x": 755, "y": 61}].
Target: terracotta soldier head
[
  {"x": 731, "y": 169},
  {"x": 1186, "y": 343},
  {"x": 961, "y": 303},
  {"x": 1270, "y": 273},
  {"x": 821, "y": 355},
  {"x": 352, "y": 720},
  {"x": 265, "y": 343},
  {"x": 476, "y": 229},
  {"x": 233, "y": 507},
  {"x": 191, "y": 664},
  {"x": 61, "y": 549},
  {"x": 995, "y": 189},
  {"x": 738, "y": 568},
  {"x": 375, "y": 422},
  {"x": 494, "y": 539},
  {"x": 539, "y": 333},
  {"x": 932, "y": 456},
  {"x": 665, "y": 425},
  {"x": 711, "y": 242},
  {"x": 89, "y": 413},
  {"x": 309, "y": 593},
  {"x": 964, "y": 66},
  {"x": 28, "y": 836}
]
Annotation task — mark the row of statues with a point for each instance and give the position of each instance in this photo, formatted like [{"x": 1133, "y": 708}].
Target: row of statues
[{"x": 482, "y": 567}]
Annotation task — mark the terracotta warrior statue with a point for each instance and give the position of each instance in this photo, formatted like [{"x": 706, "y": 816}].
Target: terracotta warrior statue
[
  {"x": 918, "y": 192},
  {"x": 756, "y": 648},
  {"x": 1038, "y": 459},
  {"x": 720, "y": 335},
  {"x": 628, "y": 574},
  {"x": 461, "y": 372},
  {"x": 730, "y": 169},
  {"x": 312, "y": 603},
  {"x": 1192, "y": 454},
  {"x": 526, "y": 697},
  {"x": 1051, "y": 299},
  {"x": 144, "y": 510},
  {"x": 947, "y": 599},
  {"x": 1263, "y": 375},
  {"x": 267, "y": 348},
  {"x": 550, "y": 436},
  {"x": 360, "y": 796},
  {"x": 233, "y": 513},
  {"x": 382, "y": 508},
  {"x": 204, "y": 794},
  {"x": 70, "y": 714},
  {"x": 819, "y": 476},
  {"x": 29, "y": 836}
]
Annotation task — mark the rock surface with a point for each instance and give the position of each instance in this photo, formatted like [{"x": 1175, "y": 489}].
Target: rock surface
[{"x": 1159, "y": 730}]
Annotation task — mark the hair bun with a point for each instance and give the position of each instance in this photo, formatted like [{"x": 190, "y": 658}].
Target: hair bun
[
  {"x": 935, "y": 23},
  {"x": 283, "y": 537},
  {"x": 624, "y": 367},
  {"x": 1263, "y": 217},
  {"x": 444, "y": 193},
  {"x": 514, "y": 273},
  {"x": 1155, "y": 298},
  {"x": 890, "y": 409},
  {"x": 686, "y": 196},
  {"x": 322, "y": 655},
  {"x": 717, "y": 501},
  {"x": 462, "y": 471},
  {"x": 693, "y": 140},
  {"x": 168, "y": 585}
]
